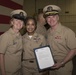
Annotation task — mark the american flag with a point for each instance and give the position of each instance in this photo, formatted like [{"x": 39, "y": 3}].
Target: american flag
[{"x": 6, "y": 6}]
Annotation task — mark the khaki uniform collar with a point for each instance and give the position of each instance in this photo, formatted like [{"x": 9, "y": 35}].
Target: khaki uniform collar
[
  {"x": 58, "y": 29},
  {"x": 34, "y": 35}
]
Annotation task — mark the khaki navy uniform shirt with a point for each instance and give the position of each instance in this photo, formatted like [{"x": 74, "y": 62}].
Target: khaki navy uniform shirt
[
  {"x": 11, "y": 46},
  {"x": 61, "y": 41},
  {"x": 29, "y": 65},
  {"x": 29, "y": 44}
]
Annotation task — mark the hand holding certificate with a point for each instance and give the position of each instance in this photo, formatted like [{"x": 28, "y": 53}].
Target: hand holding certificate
[{"x": 44, "y": 58}]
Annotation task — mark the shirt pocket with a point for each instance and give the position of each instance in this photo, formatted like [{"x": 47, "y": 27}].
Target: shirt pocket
[
  {"x": 12, "y": 48},
  {"x": 60, "y": 41}
]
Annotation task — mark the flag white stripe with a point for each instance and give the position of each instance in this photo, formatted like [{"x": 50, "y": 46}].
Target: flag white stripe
[
  {"x": 4, "y": 27},
  {"x": 18, "y": 1},
  {"x": 5, "y": 11}
]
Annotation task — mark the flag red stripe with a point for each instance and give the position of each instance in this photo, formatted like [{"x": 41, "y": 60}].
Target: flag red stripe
[
  {"x": 4, "y": 19},
  {"x": 10, "y": 4}
]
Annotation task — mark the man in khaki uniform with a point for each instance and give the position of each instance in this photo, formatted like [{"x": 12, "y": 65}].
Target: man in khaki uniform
[
  {"x": 11, "y": 45},
  {"x": 40, "y": 24},
  {"x": 62, "y": 41}
]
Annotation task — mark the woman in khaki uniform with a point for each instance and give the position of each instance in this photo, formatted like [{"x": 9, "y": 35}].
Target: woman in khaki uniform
[
  {"x": 62, "y": 41},
  {"x": 31, "y": 40},
  {"x": 11, "y": 45}
]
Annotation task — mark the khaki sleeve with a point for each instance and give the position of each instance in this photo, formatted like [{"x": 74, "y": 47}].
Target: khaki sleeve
[
  {"x": 3, "y": 43},
  {"x": 71, "y": 39}
]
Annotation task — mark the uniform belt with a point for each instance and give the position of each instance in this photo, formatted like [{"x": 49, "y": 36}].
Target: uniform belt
[{"x": 31, "y": 60}]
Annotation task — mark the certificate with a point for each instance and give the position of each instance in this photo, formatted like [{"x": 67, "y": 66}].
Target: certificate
[{"x": 44, "y": 58}]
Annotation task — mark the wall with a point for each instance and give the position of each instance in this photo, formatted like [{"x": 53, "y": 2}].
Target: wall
[
  {"x": 29, "y": 5},
  {"x": 68, "y": 14}
]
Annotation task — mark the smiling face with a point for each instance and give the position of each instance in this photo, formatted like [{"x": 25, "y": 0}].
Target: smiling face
[
  {"x": 52, "y": 20},
  {"x": 17, "y": 24},
  {"x": 30, "y": 26}
]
